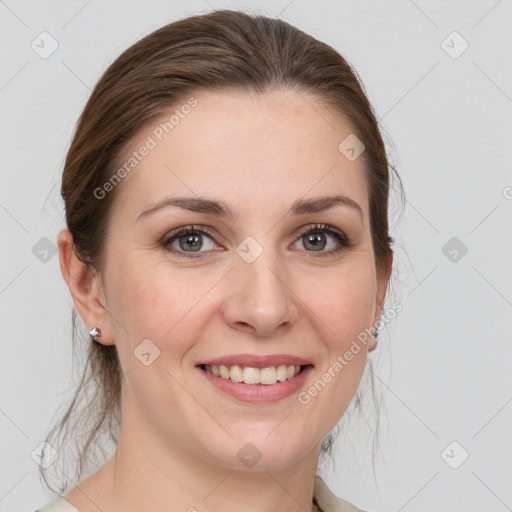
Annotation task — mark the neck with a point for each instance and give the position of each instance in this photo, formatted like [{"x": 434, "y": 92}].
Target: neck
[{"x": 148, "y": 473}]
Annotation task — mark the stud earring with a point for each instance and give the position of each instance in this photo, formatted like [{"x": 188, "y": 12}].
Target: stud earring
[{"x": 95, "y": 333}]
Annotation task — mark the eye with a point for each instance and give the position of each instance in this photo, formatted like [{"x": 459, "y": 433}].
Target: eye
[
  {"x": 187, "y": 240},
  {"x": 316, "y": 239}
]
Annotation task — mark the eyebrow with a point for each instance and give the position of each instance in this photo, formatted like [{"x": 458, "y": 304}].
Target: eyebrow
[{"x": 221, "y": 209}]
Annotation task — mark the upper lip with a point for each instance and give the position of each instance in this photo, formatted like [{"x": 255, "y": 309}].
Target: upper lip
[{"x": 257, "y": 361}]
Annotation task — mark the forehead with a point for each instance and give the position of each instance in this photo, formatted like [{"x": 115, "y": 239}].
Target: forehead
[{"x": 254, "y": 150}]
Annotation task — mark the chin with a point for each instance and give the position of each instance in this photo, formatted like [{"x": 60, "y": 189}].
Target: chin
[{"x": 260, "y": 452}]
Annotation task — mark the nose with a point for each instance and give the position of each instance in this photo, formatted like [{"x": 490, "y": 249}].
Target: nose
[{"x": 260, "y": 297}]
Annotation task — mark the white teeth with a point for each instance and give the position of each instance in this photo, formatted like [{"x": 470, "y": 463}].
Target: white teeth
[
  {"x": 236, "y": 374},
  {"x": 249, "y": 375},
  {"x": 281, "y": 372},
  {"x": 268, "y": 375}
]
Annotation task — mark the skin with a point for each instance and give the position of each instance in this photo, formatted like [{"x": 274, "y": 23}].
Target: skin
[{"x": 180, "y": 436}]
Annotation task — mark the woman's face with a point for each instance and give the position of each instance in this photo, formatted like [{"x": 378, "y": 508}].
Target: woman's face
[{"x": 245, "y": 283}]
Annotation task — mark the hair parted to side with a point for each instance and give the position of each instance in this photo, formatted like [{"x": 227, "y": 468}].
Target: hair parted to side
[{"x": 220, "y": 51}]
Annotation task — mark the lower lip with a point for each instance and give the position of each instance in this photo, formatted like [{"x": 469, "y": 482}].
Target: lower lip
[{"x": 258, "y": 393}]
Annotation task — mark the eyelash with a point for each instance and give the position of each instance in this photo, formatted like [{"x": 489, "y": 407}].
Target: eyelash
[{"x": 343, "y": 240}]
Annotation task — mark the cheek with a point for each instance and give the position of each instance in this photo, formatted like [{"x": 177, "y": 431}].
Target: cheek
[
  {"x": 344, "y": 308},
  {"x": 153, "y": 301},
  {"x": 345, "y": 303},
  {"x": 341, "y": 308}
]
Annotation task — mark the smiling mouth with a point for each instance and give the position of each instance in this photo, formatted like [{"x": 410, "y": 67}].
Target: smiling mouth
[{"x": 255, "y": 376}]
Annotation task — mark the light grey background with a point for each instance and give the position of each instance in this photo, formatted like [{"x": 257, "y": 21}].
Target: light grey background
[{"x": 443, "y": 364}]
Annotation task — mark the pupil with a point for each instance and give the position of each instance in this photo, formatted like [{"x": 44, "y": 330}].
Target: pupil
[
  {"x": 190, "y": 241},
  {"x": 316, "y": 241}
]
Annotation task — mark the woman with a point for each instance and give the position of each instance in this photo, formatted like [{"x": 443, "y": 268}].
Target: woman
[{"x": 227, "y": 246}]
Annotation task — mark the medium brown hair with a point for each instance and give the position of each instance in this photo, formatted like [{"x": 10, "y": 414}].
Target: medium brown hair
[{"x": 220, "y": 51}]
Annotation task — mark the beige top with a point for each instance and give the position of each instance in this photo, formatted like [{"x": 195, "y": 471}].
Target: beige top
[{"x": 322, "y": 495}]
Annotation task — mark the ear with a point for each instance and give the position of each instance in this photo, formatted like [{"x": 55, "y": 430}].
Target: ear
[
  {"x": 382, "y": 284},
  {"x": 86, "y": 288}
]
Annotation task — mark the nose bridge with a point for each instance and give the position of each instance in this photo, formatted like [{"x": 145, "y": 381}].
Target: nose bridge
[{"x": 261, "y": 292}]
